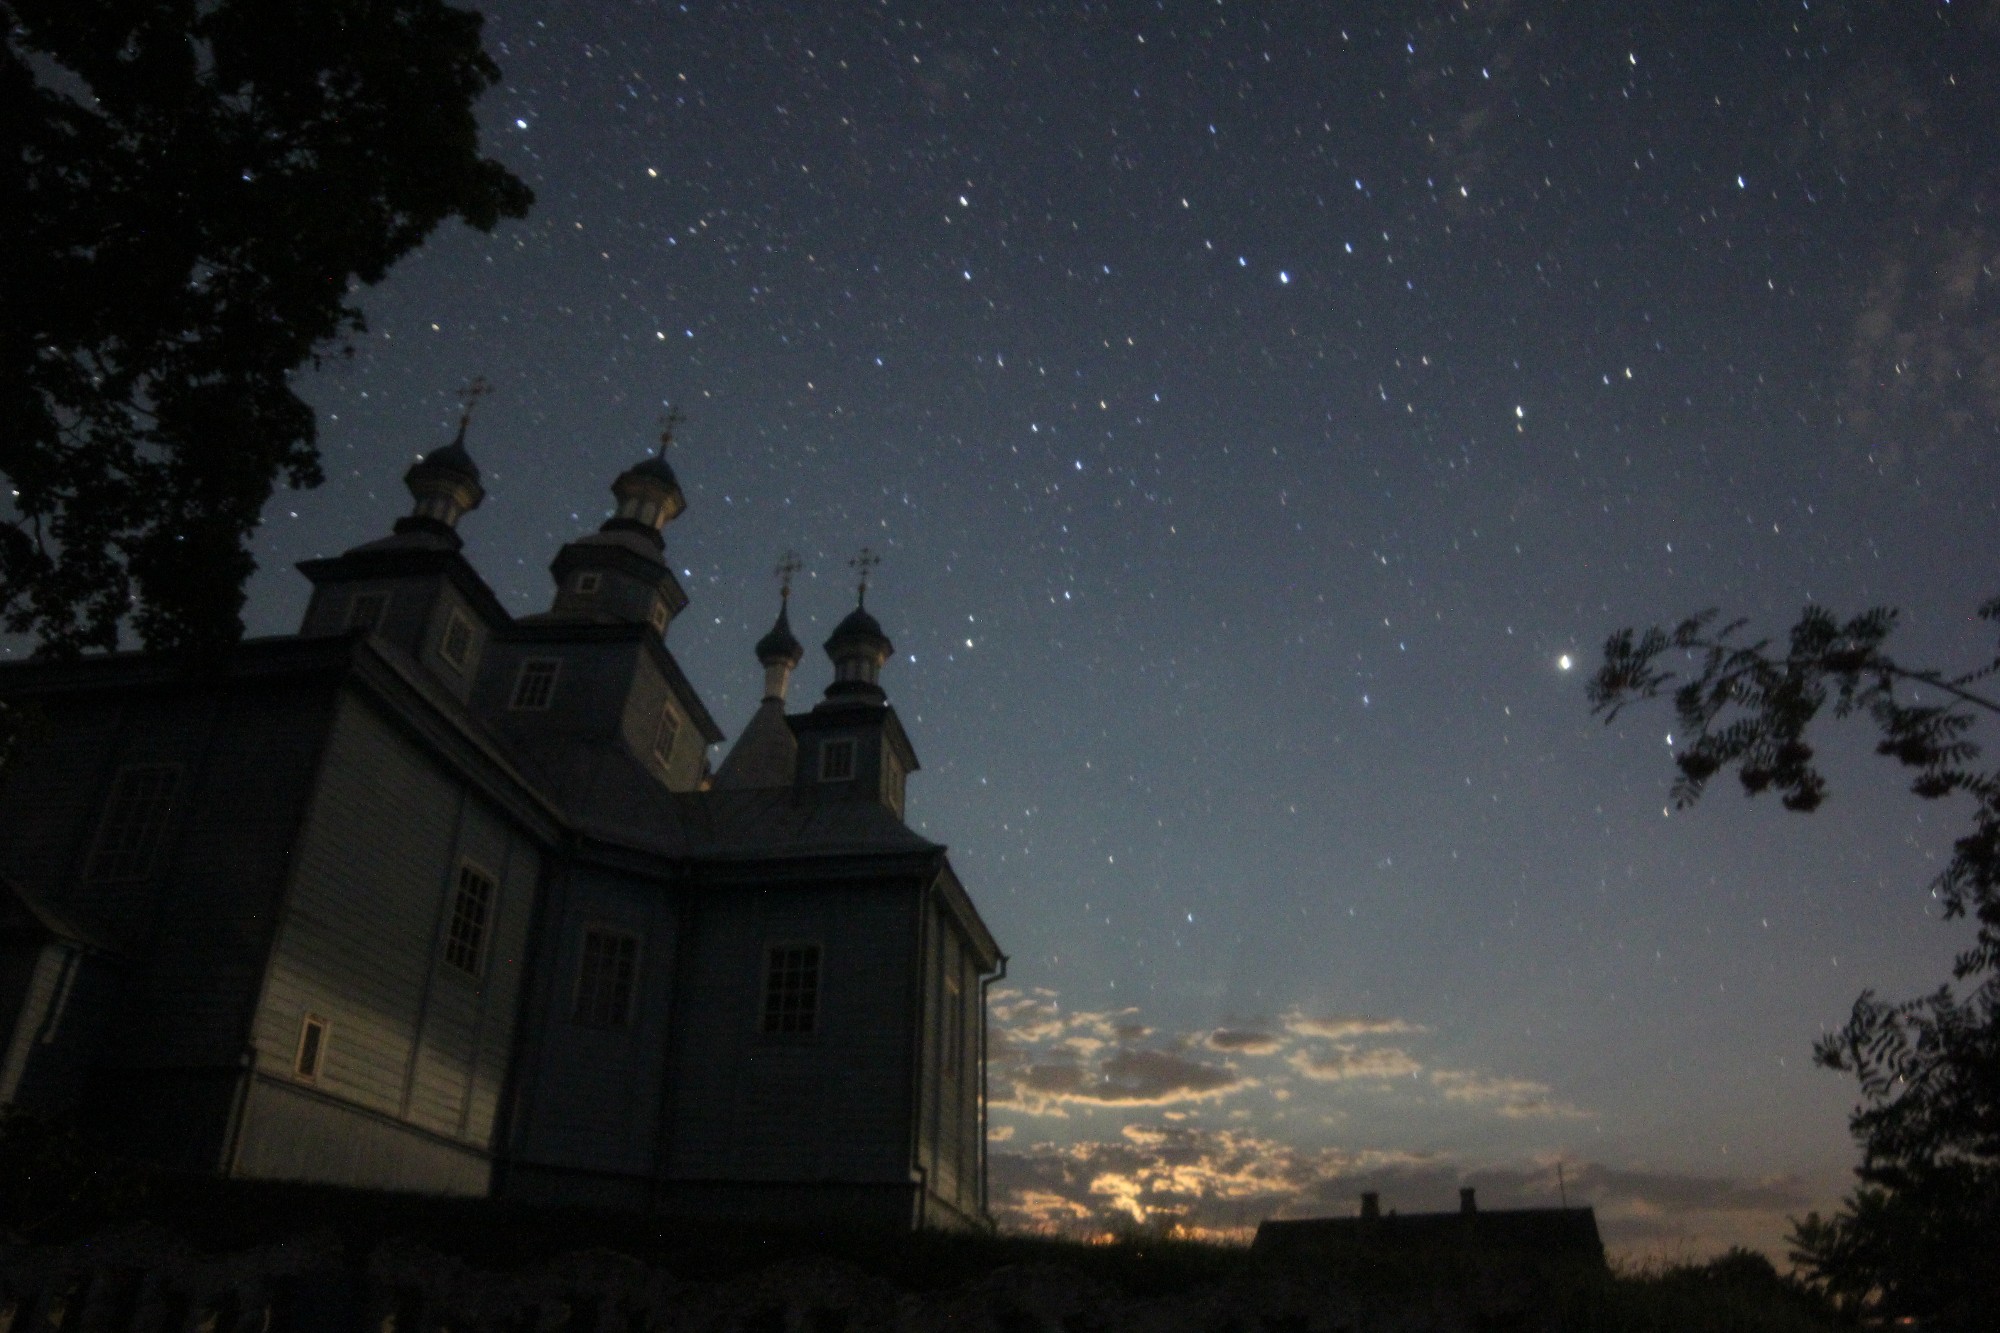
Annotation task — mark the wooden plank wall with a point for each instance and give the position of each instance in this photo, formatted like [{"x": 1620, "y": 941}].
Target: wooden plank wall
[
  {"x": 411, "y": 1037},
  {"x": 830, "y": 1106},
  {"x": 592, "y": 1099}
]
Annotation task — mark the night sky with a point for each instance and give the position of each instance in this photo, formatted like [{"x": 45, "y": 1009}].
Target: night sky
[{"x": 1255, "y": 406}]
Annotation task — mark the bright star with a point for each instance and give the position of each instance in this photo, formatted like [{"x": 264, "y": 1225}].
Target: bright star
[{"x": 1563, "y": 662}]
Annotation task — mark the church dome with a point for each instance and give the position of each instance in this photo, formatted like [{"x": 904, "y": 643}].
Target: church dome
[
  {"x": 454, "y": 459},
  {"x": 781, "y": 645},
  {"x": 859, "y": 631}
]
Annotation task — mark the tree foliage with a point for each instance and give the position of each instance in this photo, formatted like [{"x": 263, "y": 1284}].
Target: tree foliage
[
  {"x": 1920, "y": 1233},
  {"x": 190, "y": 193}
]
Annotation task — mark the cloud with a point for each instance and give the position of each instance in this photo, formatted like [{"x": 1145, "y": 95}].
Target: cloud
[
  {"x": 1513, "y": 1098},
  {"x": 1124, "y": 1078},
  {"x": 1345, "y": 1063},
  {"x": 1348, "y": 1029},
  {"x": 1247, "y": 1042},
  {"x": 1221, "y": 1182},
  {"x": 1046, "y": 1059}
]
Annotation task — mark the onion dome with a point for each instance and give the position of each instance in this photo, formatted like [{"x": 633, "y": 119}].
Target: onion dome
[
  {"x": 445, "y": 486},
  {"x": 649, "y": 498},
  {"x": 858, "y": 648},
  {"x": 781, "y": 645}
]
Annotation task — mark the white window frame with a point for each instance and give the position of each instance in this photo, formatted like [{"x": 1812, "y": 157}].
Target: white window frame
[
  {"x": 837, "y": 759},
  {"x": 482, "y": 930},
  {"x": 665, "y": 732},
  {"x": 314, "y": 1032},
  {"x": 657, "y": 617},
  {"x": 516, "y": 697},
  {"x": 622, "y": 1019},
  {"x": 776, "y": 1022},
  {"x": 457, "y": 622}
]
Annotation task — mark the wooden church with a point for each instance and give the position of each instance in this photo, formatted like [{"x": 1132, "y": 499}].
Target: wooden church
[{"x": 429, "y": 897}]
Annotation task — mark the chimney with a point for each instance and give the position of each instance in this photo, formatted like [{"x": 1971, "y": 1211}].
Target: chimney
[
  {"x": 1371, "y": 1205},
  {"x": 1466, "y": 1204}
]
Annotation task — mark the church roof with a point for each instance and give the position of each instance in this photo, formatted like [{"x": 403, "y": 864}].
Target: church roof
[
  {"x": 766, "y": 754},
  {"x": 763, "y": 822}
]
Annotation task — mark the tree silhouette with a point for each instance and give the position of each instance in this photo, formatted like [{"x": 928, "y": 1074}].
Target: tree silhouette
[
  {"x": 190, "y": 192},
  {"x": 1921, "y": 1232}
]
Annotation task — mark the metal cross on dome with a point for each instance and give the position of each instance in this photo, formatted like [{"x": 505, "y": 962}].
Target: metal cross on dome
[
  {"x": 788, "y": 565},
  {"x": 468, "y": 398},
  {"x": 669, "y": 420},
  {"x": 863, "y": 564}
]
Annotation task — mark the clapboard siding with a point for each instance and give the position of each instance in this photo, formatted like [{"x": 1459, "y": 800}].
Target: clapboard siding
[
  {"x": 49, "y": 795},
  {"x": 594, "y": 1099},
  {"x": 640, "y": 722},
  {"x": 827, "y": 1107},
  {"x": 411, "y": 1038},
  {"x": 948, "y": 1140},
  {"x": 292, "y": 1134},
  {"x": 247, "y": 771}
]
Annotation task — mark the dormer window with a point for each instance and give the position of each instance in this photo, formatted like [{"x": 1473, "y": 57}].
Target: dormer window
[
  {"x": 658, "y": 615},
  {"x": 456, "y": 646},
  {"x": 836, "y": 761},
  {"x": 535, "y": 684},
  {"x": 588, "y": 582},
  {"x": 367, "y": 610}
]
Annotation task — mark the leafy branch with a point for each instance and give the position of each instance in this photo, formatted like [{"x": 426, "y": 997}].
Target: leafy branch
[{"x": 1929, "y": 1067}]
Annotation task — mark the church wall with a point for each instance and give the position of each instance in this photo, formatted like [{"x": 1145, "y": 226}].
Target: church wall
[
  {"x": 830, "y": 1106},
  {"x": 590, "y": 690},
  {"x": 461, "y": 678},
  {"x": 50, "y": 794},
  {"x": 949, "y": 1127},
  {"x": 292, "y": 1132},
  {"x": 407, "y": 620},
  {"x": 409, "y": 1036},
  {"x": 250, "y": 753},
  {"x": 591, "y": 1100},
  {"x": 640, "y": 721},
  {"x": 196, "y": 925}
]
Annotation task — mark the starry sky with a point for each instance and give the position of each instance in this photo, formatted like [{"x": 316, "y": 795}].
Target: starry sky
[{"x": 1255, "y": 405}]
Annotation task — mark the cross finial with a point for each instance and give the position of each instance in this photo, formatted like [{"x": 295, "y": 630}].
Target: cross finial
[
  {"x": 669, "y": 420},
  {"x": 788, "y": 565},
  {"x": 468, "y": 398},
  {"x": 863, "y": 564}
]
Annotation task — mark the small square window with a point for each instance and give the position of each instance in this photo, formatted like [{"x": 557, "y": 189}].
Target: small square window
[
  {"x": 791, "y": 990},
  {"x": 658, "y": 615},
  {"x": 456, "y": 647},
  {"x": 142, "y": 801},
  {"x": 367, "y": 610},
  {"x": 311, "y": 1055},
  {"x": 471, "y": 917},
  {"x": 664, "y": 733},
  {"x": 836, "y": 761},
  {"x": 588, "y": 582},
  {"x": 604, "y": 979},
  {"x": 535, "y": 685}
]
